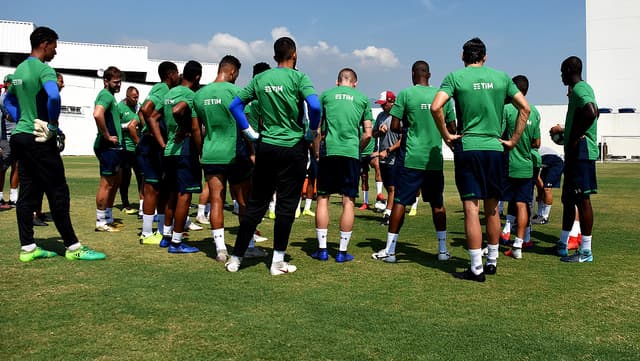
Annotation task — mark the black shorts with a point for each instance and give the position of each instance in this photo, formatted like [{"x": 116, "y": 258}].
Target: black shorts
[
  {"x": 185, "y": 174},
  {"x": 551, "y": 171},
  {"x": 150, "y": 160},
  {"x": 409, "y": 181},
  {"x": 337, "y": 174},
  {"x": 386, "y": 173},
  {"x": 235, "y": 172},
  {"x": 579, "y": 181},
  {"x": 479, "y": 174},
  {"x": 518, "y": 190}
]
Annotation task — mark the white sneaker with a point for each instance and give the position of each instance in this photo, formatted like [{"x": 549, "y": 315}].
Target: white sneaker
[
  {"x": 258, "y": 238},
  {"x": 443, "y": 256},
  {"x": 282, "y": 267},
  {"x": 380, "y": 206},
  {"x": 233, "y": 265},
  {"x": 222, "y": 255},
  {"x": 194, "y": 227},
  {"x": 202, "y": 220},
  {"x": 255, "y": 252},
  {"x": 382, "y": 255},
  {"x": 106, "y": 228}
]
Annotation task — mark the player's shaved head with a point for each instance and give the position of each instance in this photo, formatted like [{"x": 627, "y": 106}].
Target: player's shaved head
[
  {"x": 229, "y": 61},
  {"x": 192, "y": 70},
  {"x": 572, "y": 65},
  {"x": 165, "y": 69},
  {"x": 283, "y": 49},
  {"x": 420, "y": 67},
  {"x": 522, "y": 83},
  {"x": 347, "y": 75},
  {"x": 260, "y": 67}
]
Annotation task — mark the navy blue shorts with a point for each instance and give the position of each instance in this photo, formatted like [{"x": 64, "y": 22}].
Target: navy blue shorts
[
  {"x": 479, "y": 174},
  {"x": 551, "y": 171},
  {"x": 365, "y": 164},
  {"x": 337, "y": 174},
  {"x": 236, "y": 172},
  {"x": 185, "y": 176},
  {"x": 386, "y": 173},
  {"x": 518, "y": 190},
  {"x": 409, "y": 181},
  {"x": 150, "y": 160},
  {"x": 579, "y": 181},
  {"x": 110, "y": 161}
]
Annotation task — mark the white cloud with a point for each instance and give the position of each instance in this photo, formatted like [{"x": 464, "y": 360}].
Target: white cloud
[
  {"x": 376, "y": 56},
  {"x": 279, "y": 32}
]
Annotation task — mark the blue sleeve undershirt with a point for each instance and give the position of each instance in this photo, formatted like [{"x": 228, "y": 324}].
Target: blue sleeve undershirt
[
  {"x": 314, "y": 111},
  {"x": 237, "y": 110},
  {"x": 53, "y": 101},
  {"x": 11, "y": 104}
]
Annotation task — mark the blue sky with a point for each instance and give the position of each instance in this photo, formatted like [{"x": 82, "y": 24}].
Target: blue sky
[{"x": 379, "y": 39}]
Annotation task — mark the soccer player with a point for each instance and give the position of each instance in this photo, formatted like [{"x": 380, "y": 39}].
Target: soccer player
[
  {"x": 281, "y": 157},
  {"x": 34, "y": 99},
  {"x": 150, "y": 152},
  {"x": 480, "y": 93},
  {"x": 181, "y": 154},
  {"x": 225, "y": 156},
  {"x": 386, "y": 146},
  {"x": 550, "y": 174},
  {"x": 419, "y": 164},
  {"x": 344, "y": 110},
  {"x": 9, "y": 124},
  {"x": 108, "y": 148},
  {"x": 580, "y": 154},
  {"x": 129, "y": 121},
  {"x": 520, "y": 169}
]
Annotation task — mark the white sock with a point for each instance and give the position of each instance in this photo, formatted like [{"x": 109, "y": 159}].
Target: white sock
[
  {"x": 365, "y": 197},
  {"x": 167, "y": 231},
  {"x": 517, "y": 243},
  {"x": 507, "y": 224},
  {"x": 442, "y": 241},
  {"x": 379, "y": 187},
  {"x": 278, "y": 256},
  {"x": 176, "y": 237},
  {"x": 28, "y": 248},
  {"x": 345, "y": 237},
  {"x": 564, "y": 238},
  {"x": 74, "y": 246},
  {"x": 101, "y": 217},
  {"x": 218, "y": 238},
  {"x": 201, "y": 210},
  {"x": 415, "y": 204},
  {"x": 147, "y": 224},
  {"x": 272, "y": 205},
  {"x": 575, "y": 230},
  {"x": 321, "y": 233},
  {"x": 140, "y": 212},
  {"x": 476, "y": 261},
  {"x": 307, "y": 204},
  {"x": 2, "y": 196},
  {"x": 492, "y": 254},
  {"x": 161, "y": 226},
  {"x": 13, "y": 195},
  {"x": 586, "y": 244},
  {"x": 546, "y": 209},
  {"x": 392, "y": 240}
]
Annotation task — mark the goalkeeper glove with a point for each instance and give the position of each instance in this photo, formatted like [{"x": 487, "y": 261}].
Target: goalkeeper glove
[{"x": 43, "y": 130}]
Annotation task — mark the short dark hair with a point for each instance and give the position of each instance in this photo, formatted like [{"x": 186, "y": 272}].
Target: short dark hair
[
  {"x": 572, "y": 65},
  {"x": 284, "y": 48},
  {"x": 229, "y": 60},
  {"x": 132, "y": 88},
  {"x": 522, "y": 83},
  {"x": 192, "y": 69},
  {"x": 111, "y": 72},
  {"x": 165, "y": 68},
  {"x": 420, "y": 67},
  {"x": 260, "y": 67},
  {"x": 347, "y": 74},
  {"x": 41, "y": 35},
  {"x": 473, "y": 51}
]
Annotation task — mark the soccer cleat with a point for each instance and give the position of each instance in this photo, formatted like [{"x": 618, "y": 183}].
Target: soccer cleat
[
  {"x": 165, "y": 242},
  {"x": 514, "y": 252},
  {"x": 578, "y": 257},
  {"x": 233, "y": 264},
  {"x": 363, "y": 207},
  {"x": 84, "y": 253},
  {"x": 222, "y": 255},
  {"x": 322, "y": 254},
  {"x": 271, "y": 215},
  {"x": 39, "y": 222},
  {"x": 106, "y": 228},
  {"x": 469, "y": 275},
  {"x": 527, "y": 245},
  {"x": 308, "y": 212},
  {"x": 181, "y": 248},
  {"x": 255, "y": 252},
  {"x": 385, "y": 220},
  {"x": 380, "y": 198},
  {"x": 297, "y": 214},
  {"x": 380, "y": 206},
  {"x": 505, "y": 237},
  {"x": 129, "y": 210},
  {"x": 36, "y": 253},
  {"x": 194, "y": 227},
  {"x": 153, "y": 238},
  {"x": 539, "y": 220},
  {"x": 383, "y": 256},
  {"x": 490, "y": 269},
  {"x": 343, "y": 256},
  {"x": 561, "y": 250},
  {"x": 258, "y": 238},
  {"x": 202, "y": 220},
  {"x": 443, "y": 256},
  {"x": 281, "y": 268},
  {"x": 413, "y": 211},
  {"x": 574, "y": 241}
]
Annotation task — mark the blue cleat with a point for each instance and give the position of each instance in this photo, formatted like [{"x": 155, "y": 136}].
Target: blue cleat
[
  {"x": 165, "y": 242},
  {"x": 578, "y": 257},
  {"x": 561, "y": 250},
  {"x": 321, "y": 254},
  {"x": 343, "y": 256},
  {"x": 182, "y": 248}
]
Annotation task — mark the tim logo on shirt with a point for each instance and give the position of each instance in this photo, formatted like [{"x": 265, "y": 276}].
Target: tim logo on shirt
[{"x": 482, "y": 86}]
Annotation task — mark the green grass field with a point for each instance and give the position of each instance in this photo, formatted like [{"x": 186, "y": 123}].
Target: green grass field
[{"x": 145, "y": 304}]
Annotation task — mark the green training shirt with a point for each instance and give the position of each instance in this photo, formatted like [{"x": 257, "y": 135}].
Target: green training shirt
[
  {"x": 520, "y": 162},
  {"x": 281, "y": 93},
  {"x": 582, "y": 95},
  {"x": 252, "y": 111},
  {"x": 127, "y": 114},
  {"x": 421, "y": 142},
  {"x": 28, "y": 86},
  {"x": 535, "y": 119},
  {"x": 344, "y": 109},
  {"x": 156, "y": 96},
  {"x": 212, "y": 107},
  {"x": 174, "y": 96},
  {"x": 111, "y": 118},
  {"x": 480, "y": 94}
]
